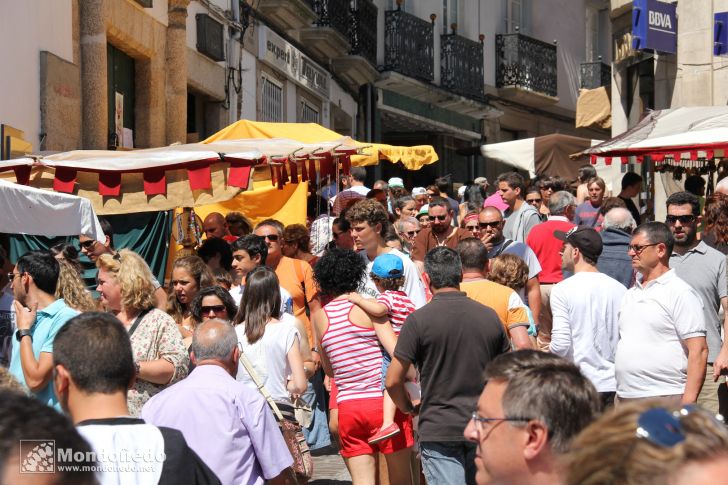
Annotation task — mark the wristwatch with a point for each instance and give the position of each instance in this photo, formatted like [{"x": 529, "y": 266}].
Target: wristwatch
[{"x": 19, "y": 334}]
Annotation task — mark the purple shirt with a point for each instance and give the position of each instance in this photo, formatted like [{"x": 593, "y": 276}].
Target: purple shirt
[
  {"x": 229, "y": 425},
  {"x": 586, "y": 214}
]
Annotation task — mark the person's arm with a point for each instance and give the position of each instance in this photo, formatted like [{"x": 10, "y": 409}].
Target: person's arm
[
  {"x": 320, "y": 322},
  {"x": 519, "y": 337},
  {"x": 396, "y": 377},
  {"x": 532, "y": 221},
  {"x": 721, "y": 362},
  {"x": 158, "y": 371},
  {"x": 561, "y": 339},
  {"x": 309, "y": 367},
  {"x": 37, "y": 373},
  {"x": 517, "y": 322},
  {"x": 533, "y": 292},
  {"x": 697, "y": 363},
  {"x": 298, "y": 382},
  {"x": 369, "y": 305},
  {"x": 385, "y": 334},
  {"x": 172, "y": 358}
]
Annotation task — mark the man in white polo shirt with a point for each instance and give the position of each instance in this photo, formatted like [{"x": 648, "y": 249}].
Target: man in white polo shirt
[{"x": 662, "y": 351}]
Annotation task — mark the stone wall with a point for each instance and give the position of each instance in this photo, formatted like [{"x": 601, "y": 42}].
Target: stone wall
[{"x": 60, "y": 103}]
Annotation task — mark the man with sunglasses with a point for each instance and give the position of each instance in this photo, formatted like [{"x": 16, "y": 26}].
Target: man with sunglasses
[
  {"x": 704, "y": 269},
  {"x": 533, "y": 405},
  {"x": 662, "y": 350},
  {"x": 440, "y": 233}
]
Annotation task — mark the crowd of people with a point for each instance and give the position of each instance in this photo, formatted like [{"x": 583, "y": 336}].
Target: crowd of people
[{"x": 543, "y": 332}]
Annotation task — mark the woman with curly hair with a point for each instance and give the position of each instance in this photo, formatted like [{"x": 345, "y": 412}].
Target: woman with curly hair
[
  {"x": 213, "y": 302},
  {"x": 189, "y": 274},
  {"x": 71, "y": 289},
  {"x": 297, "y": 243},
  {"x": 127, "y": 291},
  {"x": 352, "y": 356},
  {"x": 509, "y": 270},
  {"x": 715, "y": 222}
]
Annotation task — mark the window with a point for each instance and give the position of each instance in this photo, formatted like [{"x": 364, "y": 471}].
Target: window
[
  {"x": 271, "y": 103},
  {"x": 308, "y": 113},
  {"x": 209, "y": 37},
  {"x": 449, "y": 15},
  {"x": 516, "y": 16}
]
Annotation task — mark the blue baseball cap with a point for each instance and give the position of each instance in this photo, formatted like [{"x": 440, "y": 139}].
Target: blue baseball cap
[{"x": 388, "y": 266}]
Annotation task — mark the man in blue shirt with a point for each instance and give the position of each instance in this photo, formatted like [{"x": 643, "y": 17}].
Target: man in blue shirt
[{"x": 39, "y": 316}]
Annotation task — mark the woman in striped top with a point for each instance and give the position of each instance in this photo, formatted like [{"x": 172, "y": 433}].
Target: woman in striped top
[{"x": 351, "y": 354}]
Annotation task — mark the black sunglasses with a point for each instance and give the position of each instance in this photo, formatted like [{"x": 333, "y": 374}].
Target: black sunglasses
[
  {"x": 483, "y": 225},
  {"x": 439, "y": 218},
  {"x": 412, "y": 233},
  {"x": 686, "y": 219},
  {"x": 212, "y": 308},
  {"x": 531, "y": 201},
  {"x": 87, "y": 244},
  {"x": 271, "y": 237}
]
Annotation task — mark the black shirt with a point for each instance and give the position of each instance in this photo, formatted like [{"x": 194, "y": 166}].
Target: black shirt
[
  {"x": 632, "y": 208},
  {"x": 450, "y": 340}
]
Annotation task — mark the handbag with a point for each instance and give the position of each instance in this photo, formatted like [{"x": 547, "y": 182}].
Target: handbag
[
  {"x": 291, "y": 430},
  {"x": 303, "y": 412}
]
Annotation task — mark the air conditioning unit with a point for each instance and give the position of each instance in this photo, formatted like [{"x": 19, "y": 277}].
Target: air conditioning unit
[{"x": 209, "y": 37}]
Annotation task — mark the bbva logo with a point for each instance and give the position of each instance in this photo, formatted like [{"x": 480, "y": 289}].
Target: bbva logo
[{"x": 659, "y": 19}]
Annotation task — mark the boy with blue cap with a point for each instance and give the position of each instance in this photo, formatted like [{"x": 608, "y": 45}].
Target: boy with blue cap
[{"x": 388, "y": 276}]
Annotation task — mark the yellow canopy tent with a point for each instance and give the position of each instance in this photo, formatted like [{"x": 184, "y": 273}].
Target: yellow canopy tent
[{"x": 413, "y": 158}]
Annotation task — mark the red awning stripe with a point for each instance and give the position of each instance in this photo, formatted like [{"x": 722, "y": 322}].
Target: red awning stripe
[
  {"x": 155, "y": 182},
  {"x": 110, "y": 184}
]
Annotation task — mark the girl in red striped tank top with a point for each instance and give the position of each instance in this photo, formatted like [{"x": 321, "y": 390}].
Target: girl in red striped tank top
[{"x": 352, "y": 355}]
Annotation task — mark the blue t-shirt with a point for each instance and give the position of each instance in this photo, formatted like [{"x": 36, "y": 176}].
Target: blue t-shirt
[
  {"x": 586, "y": 214},
  {"x": 47, "y": 324}
]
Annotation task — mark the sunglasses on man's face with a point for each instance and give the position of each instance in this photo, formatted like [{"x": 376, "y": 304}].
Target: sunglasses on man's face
[
  {"x": 412, "y": 233},
  {"x": 271, "y": 237},
  {"x": 484, "y": 225},
  {"x": 438, "y": 218},
  {"x": 686, "y": 219},
  {"x": 87, "y": 244}
]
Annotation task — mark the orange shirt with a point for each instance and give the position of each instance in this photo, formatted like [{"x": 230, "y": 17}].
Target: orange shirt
[
  {"x": 296, "y": 276},
  {"x": 504, "y": 301}
]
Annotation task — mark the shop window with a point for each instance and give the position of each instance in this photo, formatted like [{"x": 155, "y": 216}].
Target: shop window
[
  {"x": 210, "y": 37},
  {"x": 308, "y": 113},
  {"x": 271, "y": 103},
  {"x": 121, "y": 93}
]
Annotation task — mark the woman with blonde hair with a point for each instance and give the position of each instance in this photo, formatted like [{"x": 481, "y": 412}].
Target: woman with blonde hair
[
  {"x": 644, "y": 443},
  {"x": 127, "y": 291},
  {"x": 71, "y": 289},
  {"x": 189, "y": 274},
  {"x": 509, "y": 270}
]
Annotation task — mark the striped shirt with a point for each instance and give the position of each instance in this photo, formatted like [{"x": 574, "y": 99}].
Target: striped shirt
[
  {"x": 354, "y": 354},
  {"x": 399, "y": 306}
]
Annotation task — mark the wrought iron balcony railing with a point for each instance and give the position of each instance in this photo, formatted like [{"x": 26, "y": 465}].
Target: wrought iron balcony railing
[
  {"x": 333, "y": 13},
  {"x": 462, "y": 65},
  {"x": 409, "y": 46},
  {"x": 595, "y": 74},
  {"x": 363, "y": 33},
  {"x": 526, "y": 63}
]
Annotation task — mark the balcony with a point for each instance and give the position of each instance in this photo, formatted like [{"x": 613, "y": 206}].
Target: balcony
[
  {"x": 409, "y": 47},
  {"x": 526, "y": 69},
  {"x": 329, "y": 37},
  {"x": 595, "y": 74},
  {"x": 359, "y": 67},
  {"x": 461, "y": 64},
  {"x": 287, "y": 14}
]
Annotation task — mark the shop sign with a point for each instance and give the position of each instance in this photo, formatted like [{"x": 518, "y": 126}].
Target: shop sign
[{"x": 654, "y": 26}]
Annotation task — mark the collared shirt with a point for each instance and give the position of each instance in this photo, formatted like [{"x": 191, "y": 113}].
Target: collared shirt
[
  {"x": 228, "y": 424},
  {"x": 48, "y": 322},
  {"x": 426, "y": 240},
  {"x": 704, "y": 268},
  {"x": 654, "y": 321}
]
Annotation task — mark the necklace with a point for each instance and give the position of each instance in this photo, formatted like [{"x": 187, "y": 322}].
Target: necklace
[{"x": 441, "y": 243}]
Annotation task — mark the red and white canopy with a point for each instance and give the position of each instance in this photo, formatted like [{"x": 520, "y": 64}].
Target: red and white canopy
[{"x": 683, "y": 133}]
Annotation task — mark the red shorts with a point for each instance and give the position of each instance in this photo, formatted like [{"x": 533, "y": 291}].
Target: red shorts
[{"x": 359, "y": 419}]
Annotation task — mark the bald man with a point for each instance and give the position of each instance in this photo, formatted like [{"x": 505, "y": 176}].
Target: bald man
[
  {"x": 223, "y": 420},
  {"x": 215, "y": 225}
]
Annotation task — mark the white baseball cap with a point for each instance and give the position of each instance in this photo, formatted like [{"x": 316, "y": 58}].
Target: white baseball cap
[
  {"x": 419, "y": 191},
  {"x": 395, "y": 182}
]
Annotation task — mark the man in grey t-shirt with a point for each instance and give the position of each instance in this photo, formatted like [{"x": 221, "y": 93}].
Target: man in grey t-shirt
[
  {"x": 703, "y": 268},
  {"x": 520, "y": 217}
]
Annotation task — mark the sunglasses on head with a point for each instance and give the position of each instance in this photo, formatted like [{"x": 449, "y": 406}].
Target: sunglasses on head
[
  {"x": 686, "y": 219},
  {"x": 664, "y": 428},
  {"x": 483, "y": 225},
  {"x": 212, "y": 308}
]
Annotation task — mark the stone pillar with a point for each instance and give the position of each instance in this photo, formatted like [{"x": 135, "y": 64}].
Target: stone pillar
[
  {"x": 176, "y": 68},
  {"x": 94, "y": 81}
]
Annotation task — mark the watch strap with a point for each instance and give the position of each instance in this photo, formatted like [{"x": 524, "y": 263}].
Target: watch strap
[{"x": 20, "y": 333}]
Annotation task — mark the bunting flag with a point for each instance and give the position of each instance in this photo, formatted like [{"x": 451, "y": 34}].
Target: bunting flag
[
  {"x": 304, "y": 172},
  {"x": 155, "y": 183},
  {"x": 110, "y": 184},
  {"x": 200, "y": 178},
  {"x": 65, "y": 180},
  {"x": 22, "y": 174},
  {"x": 294, "y": 171},
  {"x": 239, "y": 176},
  {"x": 345, "y": 163}
]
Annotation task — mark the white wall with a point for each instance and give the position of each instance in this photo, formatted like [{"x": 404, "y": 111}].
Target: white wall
[
  {"x": 26, "y": 28},
  {"x": 158, "y": 11}
]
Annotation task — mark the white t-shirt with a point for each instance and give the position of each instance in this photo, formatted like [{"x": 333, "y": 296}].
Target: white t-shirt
[
  {"x": 585, "y": 329},
  {"x": 269, "y": 356},
  {"x": 654, "y": 320},
  {"x": 413, "y": 285},
  {"x": 286, "y": 299},
  {"x": 359, "y": 189}
]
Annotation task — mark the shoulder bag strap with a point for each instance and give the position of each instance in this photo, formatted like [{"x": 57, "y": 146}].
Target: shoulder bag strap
[
  {"x": 254, "y": 375},
  {"x": 137, "y": 321},
  {"x": 503, "y": 248}
]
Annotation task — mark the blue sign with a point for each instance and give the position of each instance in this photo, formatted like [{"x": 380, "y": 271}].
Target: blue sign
[
  {"x": 720, "y": 34},
  {"x": 654, "y": 26}
]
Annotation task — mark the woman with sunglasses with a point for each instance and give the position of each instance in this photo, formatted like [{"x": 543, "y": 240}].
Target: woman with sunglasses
[
  {"x": 213, "y": 302},
  {"x": 407, "y": 228},
  {"x": 127, "y": 291},
  {"x": 535, "y": 198},
  {"x": 644, "y": 443},
  {"x": 189, "y": 274}
]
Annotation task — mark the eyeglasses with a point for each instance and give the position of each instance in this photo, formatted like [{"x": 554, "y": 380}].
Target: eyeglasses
[
  {"x": 439, "y": 218},
  {"x": 483, "y": 225},
  {"x": 212, "y": 308},
  {"x": 686, "y": 219},
  {"x": 534, "y": 201},
  {"x": 271, "y": 237},
  {"x": 638, "y": 248},
  {"x": 473, "y": 228},
  {"x": 87, "y": 244},
  {"x": 11, "y": 276},
  {"x": 412, "y": 233},
  {"x": 480, "y": 421}
]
